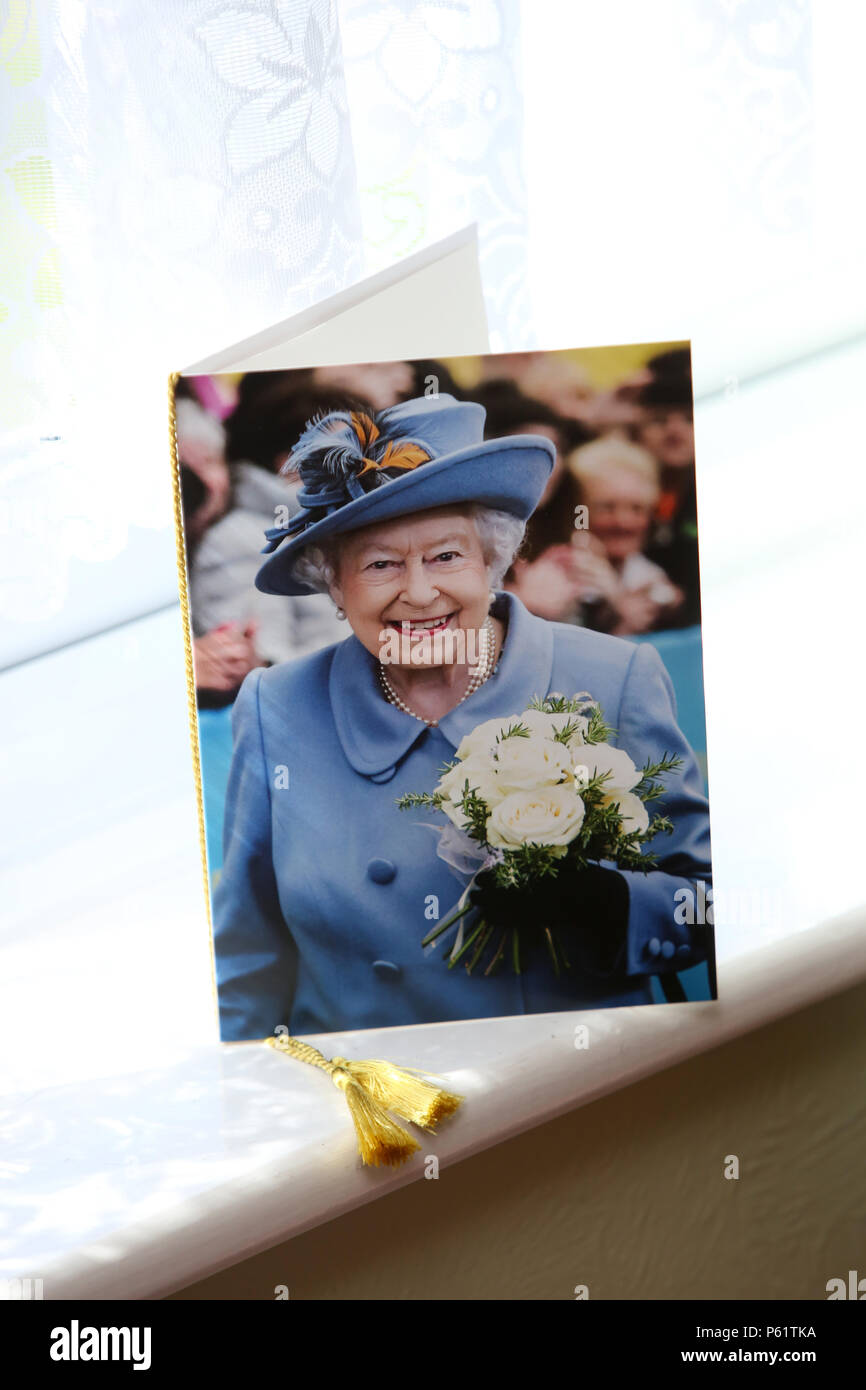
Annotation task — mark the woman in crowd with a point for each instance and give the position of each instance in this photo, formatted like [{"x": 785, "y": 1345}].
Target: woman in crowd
[
  {"x": 224, "y": 650},
  {"x": 269, "y": 416},
  {"x": 543, "y": 575}
]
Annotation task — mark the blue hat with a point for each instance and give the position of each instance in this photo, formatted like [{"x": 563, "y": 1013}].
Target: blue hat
[{"x": 358, "y": 468}]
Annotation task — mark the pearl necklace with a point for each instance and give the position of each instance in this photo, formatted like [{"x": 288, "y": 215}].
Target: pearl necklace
[{"x": 482, "y": 672}]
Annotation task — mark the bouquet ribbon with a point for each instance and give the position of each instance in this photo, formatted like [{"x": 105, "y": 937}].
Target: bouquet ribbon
[{"x": 465, "y": 857}]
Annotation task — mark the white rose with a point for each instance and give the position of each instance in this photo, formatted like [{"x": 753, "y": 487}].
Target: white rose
[
  {"x": 482, "y": 739},
  {"x": 545, "y": 816},
  {"x": 477, "y": 772},
  {"x": 633, "y": 811},
  {"x": 537, "y": 722},
  {"x": 600, "y": 758},
  {"x": 523, "y": 763}
]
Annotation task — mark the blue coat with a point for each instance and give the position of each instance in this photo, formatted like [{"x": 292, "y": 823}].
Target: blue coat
[{"x": 327, "y": 889}]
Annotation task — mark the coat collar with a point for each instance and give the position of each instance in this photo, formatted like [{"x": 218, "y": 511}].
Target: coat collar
[{"x": 376, "y": 735}]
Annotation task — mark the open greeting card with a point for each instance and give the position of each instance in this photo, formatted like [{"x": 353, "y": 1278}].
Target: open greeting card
[{"x": 444, "y": 635}]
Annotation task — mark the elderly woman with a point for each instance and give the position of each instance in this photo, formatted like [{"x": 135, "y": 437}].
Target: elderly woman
[
  {"x": 410, "y": 519},
  {"x": 623, "y": 591}
]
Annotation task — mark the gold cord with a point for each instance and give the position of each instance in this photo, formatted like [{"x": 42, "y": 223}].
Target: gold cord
[{"x": 192, "y": 708}]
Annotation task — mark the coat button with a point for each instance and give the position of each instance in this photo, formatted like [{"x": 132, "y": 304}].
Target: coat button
[
  {"x": 381, "y": 870},
  {"x": 654, "y": 947},
  {"x": 668, "y": 949},
  {"x": 387, "y": 970}
]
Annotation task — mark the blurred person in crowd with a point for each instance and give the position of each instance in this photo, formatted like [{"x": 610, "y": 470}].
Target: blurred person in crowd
[
  {"x": 204, "y": 476},
  {"x": 497, "y": 366},
  {"x": 429, "y": 375},
  {"x": 621, "y": 590},
  {"x": 666, "y": 429},
  {"x": 542, "y": 575},
  {"x": 621, "y": 408},
  {"x": 222, "y": 654},
  {"x": 674, "y": 367},
  {"x": 272, "y": 411},
  {"x": 221, "y": 658},
  {"x": 561, "y": 383},
  {"x": 382, "y": 384},
  {"x": 554, "y": 379}
]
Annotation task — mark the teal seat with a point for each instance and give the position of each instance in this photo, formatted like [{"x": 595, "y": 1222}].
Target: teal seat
[
  {"x": 215, "y": 749},
  {"x": 682, "y": 653}
]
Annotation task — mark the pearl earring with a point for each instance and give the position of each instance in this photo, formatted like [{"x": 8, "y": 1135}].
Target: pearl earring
[
  {"x": 491, "y": 597},
  {"x": 341, "y": 614}
]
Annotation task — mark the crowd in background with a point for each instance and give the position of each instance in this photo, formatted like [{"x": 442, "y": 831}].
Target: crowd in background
[{"x": 612, "y": 545}]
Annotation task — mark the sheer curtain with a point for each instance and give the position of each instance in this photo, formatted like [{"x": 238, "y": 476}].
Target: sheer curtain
[
  {"x": 180, "y": 176},
  {"x": 435, "y": 96}
]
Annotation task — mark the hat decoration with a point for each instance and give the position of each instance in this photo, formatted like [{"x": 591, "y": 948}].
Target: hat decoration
[
  {"x": 341, "y": 456},
  {"x": 358, "y": 467}
]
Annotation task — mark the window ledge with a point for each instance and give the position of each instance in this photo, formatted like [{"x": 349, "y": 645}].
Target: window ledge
[{"x": 134, "y": 1185}]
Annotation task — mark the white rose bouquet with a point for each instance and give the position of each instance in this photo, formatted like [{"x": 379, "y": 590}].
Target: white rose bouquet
[{"x": 536, "y": 800}]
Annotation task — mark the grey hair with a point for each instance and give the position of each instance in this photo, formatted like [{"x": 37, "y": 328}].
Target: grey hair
[{"x": 500, "y": 533}]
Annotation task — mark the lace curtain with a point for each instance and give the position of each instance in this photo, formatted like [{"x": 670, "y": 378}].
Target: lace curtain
[{"x": 178, "y": 176}]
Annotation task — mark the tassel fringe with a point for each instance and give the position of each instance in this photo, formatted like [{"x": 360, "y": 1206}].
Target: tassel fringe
[
  {"x": 408, "y": 1096},
  {"x": 373, "y": 1088},
  {"x": 381, "y": 1141}
]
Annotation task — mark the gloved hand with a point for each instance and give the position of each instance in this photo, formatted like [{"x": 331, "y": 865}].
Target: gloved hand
[{"x": 586, "y": 912}]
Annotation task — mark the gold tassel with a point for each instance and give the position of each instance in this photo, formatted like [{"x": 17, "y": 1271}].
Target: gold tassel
[
  {"x": 406, "y": 1094},
  {"x": 372, "y": 1088}
]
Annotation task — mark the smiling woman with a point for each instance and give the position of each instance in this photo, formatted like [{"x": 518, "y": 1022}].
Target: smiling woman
[
  {"x": 417, "y": 592},
  {"x": 408, "y": 519}
]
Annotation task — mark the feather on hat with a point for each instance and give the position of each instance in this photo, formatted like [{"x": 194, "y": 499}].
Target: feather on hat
[{"x": 358, "y": 468}]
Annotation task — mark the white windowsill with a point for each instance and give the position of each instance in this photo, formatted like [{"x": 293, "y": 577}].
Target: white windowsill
[{"x": 139, "y": 1184}]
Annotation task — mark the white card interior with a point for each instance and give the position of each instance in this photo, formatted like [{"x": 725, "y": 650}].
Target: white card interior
[{"x": 430, "y": 304}]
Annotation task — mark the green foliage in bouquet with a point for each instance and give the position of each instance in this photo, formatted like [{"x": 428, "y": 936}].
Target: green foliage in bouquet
[{"x": 537, "y": 797}]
